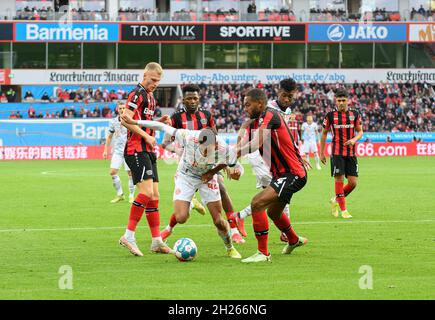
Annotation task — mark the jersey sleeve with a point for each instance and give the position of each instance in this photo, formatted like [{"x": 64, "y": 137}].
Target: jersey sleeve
[
  {"x": 174, "y": 121},
  {"x": 357, "y": 118},
  {"x": 326, "y": 122},
  {"x": 271, "y": 120},
  {"x": 181, "y": 136},
  {"x": 134, "y": 100},
  {"x": 112, "y": 126}
]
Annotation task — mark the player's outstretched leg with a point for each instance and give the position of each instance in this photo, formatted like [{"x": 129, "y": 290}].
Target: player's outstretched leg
[
  {"x": 316, "y": 157},
  {"x": 117, "y": 185},
  {"x": 180, "y": 215},
  {"x": 283, "y": 236},
  {"x": 131, "y": 188},
  {"x": 197, "y": 206},
  {"x": 128, "y": 240},
  {"x": 261, "y": 230},
  {"x": 153, "y": 217},
  {"x": 223, "y": 228},
  {"x": 229, "y": 210},
  {"x": 340, "y": 197}
]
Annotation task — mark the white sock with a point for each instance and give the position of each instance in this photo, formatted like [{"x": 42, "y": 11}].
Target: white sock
[
  {"x": 316, "y": 157},
  {"x": 226, "y": 237},
  {"x": 245, "y": 212},
  {"x": 307, "y": 157},
  {"x": 129, "y": 234},
  {"x": 131, "y": 186},
  {"x": 191, "y": 206},
  {"x": 157, "y": 240},
  {"x": 234, "y": 231},
  {"x": 116, "y": 181},
  {"x": 287, "y": 211}
]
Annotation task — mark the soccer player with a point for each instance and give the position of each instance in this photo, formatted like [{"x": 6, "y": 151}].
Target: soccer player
[
  {"x": 204, "y": 154},
  {"x": 269, "y": 133},
  {"x": 310, "y": 136},
  {"x": 192, "y": 117},
  {"x": 118, "y": 135},
  {"x": 294, "y": 127},
  {"x": 343, "y": 123},
  {"x": 141, "y": 160},
  {"x": 286, "y": 92}
]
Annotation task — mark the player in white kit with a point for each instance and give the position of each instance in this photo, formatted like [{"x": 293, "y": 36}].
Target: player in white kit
[
  {"x": 118, "y": 135},
  {"x": 310, "y": 137},
  {"x": 204, "y": 154}
]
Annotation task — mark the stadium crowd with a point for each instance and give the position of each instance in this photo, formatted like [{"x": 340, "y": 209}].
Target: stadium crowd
[
  {"x": 384, "y": 107},
  {"x": 268, "y": 14}
]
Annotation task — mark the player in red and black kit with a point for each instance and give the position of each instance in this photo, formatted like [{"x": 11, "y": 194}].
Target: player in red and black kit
[
  {"x": 193, "y": 117},
  {"x": 343, "y": 123},
  {"x": 269, "y": 133},
  {"x": 141, "y": 159},
  {"x": 294, "y": 127}
]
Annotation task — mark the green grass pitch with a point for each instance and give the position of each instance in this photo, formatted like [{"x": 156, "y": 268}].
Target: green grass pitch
[{"x": 58, "y": 213}]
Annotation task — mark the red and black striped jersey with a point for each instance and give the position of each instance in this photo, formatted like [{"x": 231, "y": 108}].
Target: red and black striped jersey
[
  {"x": 342, "y": 126},
  {"x": 143, "y": 104},
  {"x": 295, "y": 128},
  {"x": 183, "y": 119},
  {"x": 279, "y": 149}
]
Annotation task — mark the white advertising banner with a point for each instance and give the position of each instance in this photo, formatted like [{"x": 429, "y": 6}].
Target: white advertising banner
[
  {"x": 422, "y": 32},
  {"x": 174, "y": 77}
]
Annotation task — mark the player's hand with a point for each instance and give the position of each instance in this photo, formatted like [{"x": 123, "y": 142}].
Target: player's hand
[
  {"x": 306, "y": 164},
  {"x": 151, "y": 141},
  {"x": 105, "y": 154},
  {"x": 206, "y": 177},
  {"x": 323, "y": 158},
  {"x": 234, "y": 173},
  {"x": 166, "y": 120},
  {"x": 350, "y": 142},
  {"x": 127, "y": 119}
]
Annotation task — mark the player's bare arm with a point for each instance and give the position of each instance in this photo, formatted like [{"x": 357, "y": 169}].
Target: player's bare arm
[
  {"x": 209, "y": 174},
  {"x": 107, "y": 144},
  {"x": 322, "y": 145},
  {"x": 128, "y": 122},
  {"x": 254, "y": 144},
  {"x": 355, "y": 139}
]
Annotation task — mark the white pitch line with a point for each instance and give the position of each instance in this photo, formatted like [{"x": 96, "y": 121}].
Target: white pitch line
[{"x": 342, "y": 222}]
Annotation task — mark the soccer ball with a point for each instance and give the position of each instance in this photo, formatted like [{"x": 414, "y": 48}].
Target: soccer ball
[{"x": 185, "y": 249}]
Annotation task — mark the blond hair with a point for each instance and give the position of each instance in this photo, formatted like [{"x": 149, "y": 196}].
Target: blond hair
[{"x": 153, "y": 66}]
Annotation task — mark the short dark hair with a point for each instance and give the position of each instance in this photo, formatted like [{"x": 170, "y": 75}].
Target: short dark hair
[
  {"x": 191, "y": 88},
  {"x": 341, "y": 92},
  {"x": 288, "y": 84},
  {"x": 257, "y": 95}
]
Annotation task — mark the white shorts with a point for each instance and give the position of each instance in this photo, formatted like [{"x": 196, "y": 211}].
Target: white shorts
[
  {"x": 261, "y": 171},
  {"x": 117, "y": 161},
  {"x": 185, "y": 188},
  {"x": 309, "y": 146}
]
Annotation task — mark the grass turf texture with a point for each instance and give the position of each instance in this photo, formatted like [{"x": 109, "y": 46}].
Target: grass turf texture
[{"x": 58, "y": 213}]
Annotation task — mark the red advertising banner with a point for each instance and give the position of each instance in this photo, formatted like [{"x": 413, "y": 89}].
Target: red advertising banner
[
  {"x": 96, "y": 152},
  {"x": 395, "y": 149}
]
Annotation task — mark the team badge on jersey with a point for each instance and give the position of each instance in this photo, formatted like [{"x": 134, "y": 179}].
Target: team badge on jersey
[
  {"x": 204, "y": 121},
  {"x": 351, "y": 118}
]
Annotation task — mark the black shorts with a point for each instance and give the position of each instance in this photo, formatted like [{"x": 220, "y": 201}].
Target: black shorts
[
  {"x": 143, "y": 166},
  {"x": 341, "y": 165},
  {"x": 286, "y": 185}
]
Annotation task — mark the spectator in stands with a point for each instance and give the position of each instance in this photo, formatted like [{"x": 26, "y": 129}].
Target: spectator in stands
[
  {"x": 31, "y": 113},
  {"x": 45, "y": 97},
  {"x": 11, "y": 95},
  {"x": 3, "y": 98},
  {"x": 252, "y": 11},
  {"x": 106, "y": 112},
  {"x": 29, "y": 96}
]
